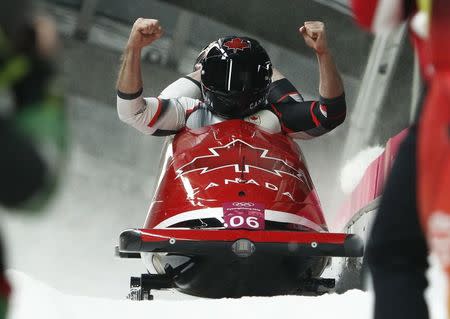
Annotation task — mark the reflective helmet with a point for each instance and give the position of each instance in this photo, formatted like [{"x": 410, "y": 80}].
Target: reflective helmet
[
  {"x": 201, "y": 57},
  {"x": 235, "y": 77}
]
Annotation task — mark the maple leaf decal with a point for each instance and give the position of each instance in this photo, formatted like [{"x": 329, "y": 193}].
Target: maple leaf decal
[
  {"x": 231, "y": 155},
  {"x": 237, "y": 44}
]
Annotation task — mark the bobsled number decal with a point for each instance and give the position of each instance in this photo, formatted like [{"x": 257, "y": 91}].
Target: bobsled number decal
[{"x": 243, "y": 215}]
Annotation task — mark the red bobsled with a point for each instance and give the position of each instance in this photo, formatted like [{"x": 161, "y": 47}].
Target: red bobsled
[{"x": 235, "y": 213}]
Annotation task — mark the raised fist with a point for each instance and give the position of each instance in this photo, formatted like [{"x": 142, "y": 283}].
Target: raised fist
[
  {"x": 315, "y": 36},
  {"x": 144, "y": 32}
]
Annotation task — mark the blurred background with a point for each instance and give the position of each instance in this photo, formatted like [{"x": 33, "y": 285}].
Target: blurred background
[{"x": 112, "y": 168}]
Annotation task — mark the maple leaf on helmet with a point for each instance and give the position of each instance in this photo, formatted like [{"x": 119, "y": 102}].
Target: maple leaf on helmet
[{"x": 237, "y": 44}]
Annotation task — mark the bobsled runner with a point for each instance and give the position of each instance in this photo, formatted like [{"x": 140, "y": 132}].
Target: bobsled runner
[{"x": 234, "y": 213}]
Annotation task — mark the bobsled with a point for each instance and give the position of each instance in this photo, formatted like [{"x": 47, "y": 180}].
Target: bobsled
[{"x": 234, "y": 213}]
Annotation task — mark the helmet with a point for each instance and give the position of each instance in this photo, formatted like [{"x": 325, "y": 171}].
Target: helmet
[
  {"x": 201, "y": 57},
  {"x": 235, "y": 77}
]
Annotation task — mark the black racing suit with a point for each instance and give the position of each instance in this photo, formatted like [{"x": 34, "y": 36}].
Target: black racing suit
[{"x": 397, "y": 249}]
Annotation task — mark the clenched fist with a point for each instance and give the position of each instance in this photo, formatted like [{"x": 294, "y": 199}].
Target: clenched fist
[
  {"x": 144, "y": 32},
  {"x": 315, "y": 36}
]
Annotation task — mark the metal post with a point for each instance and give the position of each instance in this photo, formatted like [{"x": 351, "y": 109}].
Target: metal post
[
  {"x": 376, "y": 81},
  {"x": 416, "y": 89}
]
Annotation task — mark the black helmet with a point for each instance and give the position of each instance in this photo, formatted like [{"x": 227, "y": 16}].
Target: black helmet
[
  {"x": 236, "y": 75},
  {"x": 201, "y": 57}
]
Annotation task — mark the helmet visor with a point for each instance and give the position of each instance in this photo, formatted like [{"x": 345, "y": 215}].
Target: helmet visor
[{"x": 228, "y": 75}]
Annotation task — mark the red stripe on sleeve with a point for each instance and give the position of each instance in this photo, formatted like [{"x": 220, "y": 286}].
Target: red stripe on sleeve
[
  {"x": 286, "y": 95},
  {"x": 277, "y": 113},
  {"x": 156, "y": 116},
  {"x": 189, "y": 112},
  {"x": 313, "y": 116},
  {"x": 286, "y": 129}
]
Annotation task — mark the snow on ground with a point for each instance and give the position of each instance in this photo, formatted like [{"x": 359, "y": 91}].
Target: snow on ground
[{"x": 34, "y": 299}]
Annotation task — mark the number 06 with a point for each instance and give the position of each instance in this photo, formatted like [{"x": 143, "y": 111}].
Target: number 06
[
  {"x": 237, "y": 221},
  {"x": 252, "y": 222}
]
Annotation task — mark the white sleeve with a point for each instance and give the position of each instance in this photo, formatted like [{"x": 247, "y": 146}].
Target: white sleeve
[
  {"x": 155, "y": 116},
  {"x": 182, "y": 87}
]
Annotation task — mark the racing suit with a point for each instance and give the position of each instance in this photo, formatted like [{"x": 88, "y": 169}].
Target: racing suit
[
  {"x": 286, "y": 111},
  {"x": 434, "y": 141},
  {"x": 397, "y": 250}
]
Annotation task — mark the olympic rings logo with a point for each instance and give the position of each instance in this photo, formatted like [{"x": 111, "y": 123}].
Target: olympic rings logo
[{"x": 243, "y": 204}]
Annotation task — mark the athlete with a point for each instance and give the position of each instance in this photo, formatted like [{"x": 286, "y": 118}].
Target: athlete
[
  {"x": 415, "y": 198},
  {"x": 33, "y": 135},
  {"x": 236, "y": 81}
]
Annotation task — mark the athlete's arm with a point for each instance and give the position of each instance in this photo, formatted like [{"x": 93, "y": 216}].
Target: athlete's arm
[
  {"x": 143, "y": 33},
  {"x": 330, "y": 85},
  {"x": 306, "y": 120},
  {"x": 155, "y": 116},
  {"x": 151, "y": 115},
  {"x": 315, "y": 37},
  {"x": 282, "y": 90},
  {"x": 131, "y": 106},
  {"x": 309, "y": 119}
]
